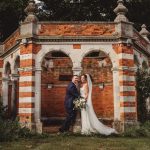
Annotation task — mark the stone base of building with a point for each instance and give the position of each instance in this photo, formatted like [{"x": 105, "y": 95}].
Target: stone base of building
[
  {"x": 121, "y": 126},
  {"x": 130, "y": 124},
  {"x": 35, "y": 127},
  {"x": 29, "y": 125},
  {"x": 39, "y": 127}
]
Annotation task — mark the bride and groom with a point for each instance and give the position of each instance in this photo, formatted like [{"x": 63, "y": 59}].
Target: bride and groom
[{"x": 89, "y": 121}]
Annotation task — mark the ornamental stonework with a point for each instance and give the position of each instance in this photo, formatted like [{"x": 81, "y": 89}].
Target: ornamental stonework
[
  {"x": 140, "y": 41},
  {"x": 11, "y": 41},
  {"x": 77, "y": 29}
]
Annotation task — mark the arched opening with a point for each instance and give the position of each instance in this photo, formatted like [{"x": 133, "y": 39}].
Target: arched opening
[
  {"x": 7, "y": 70},
  {"x": 55, "y": 76},
  {"x": 8, "y": 88},
  {"x": 15, "y": 88},
  {"x": 99, "y": 66}
]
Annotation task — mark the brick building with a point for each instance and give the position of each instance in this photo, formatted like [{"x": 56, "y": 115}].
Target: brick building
[{"x": 38, "y": 59}]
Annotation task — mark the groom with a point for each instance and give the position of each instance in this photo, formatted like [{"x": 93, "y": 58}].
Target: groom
[{"x": 71, "y": 93}]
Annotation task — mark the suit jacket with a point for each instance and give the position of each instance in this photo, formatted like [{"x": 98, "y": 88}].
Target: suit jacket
[{"x": 71, "y": 94}]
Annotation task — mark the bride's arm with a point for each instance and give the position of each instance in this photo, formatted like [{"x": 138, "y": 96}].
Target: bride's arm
[{"x": 86, "y": 91}]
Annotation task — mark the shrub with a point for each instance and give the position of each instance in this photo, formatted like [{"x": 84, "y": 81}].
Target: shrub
[
  {"x": 142, "y": 131},
  {"x": 11, "y": 130},
  {"x": 143, "y": 92}
]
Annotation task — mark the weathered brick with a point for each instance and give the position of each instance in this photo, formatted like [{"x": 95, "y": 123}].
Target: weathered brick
[
  {"x": 26, "y": 94},
  {"x": 77, "y": 29},
  {"x": 126, "y": 62},
  {"x": 26, "y": 83},
  {"x": 128, "y": 104},
  {"x": 76, "y": 46},
  {"x": 26, "y": 105},
  {"x": 27, "y": 63},
  {"x": 128, "y": 116}
]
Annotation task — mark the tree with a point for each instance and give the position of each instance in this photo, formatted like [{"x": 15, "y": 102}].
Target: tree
[
  {"x": 143, "y": 92},
  {"x": 85, "y": 10},
  {"x": 11, "y": 12},
  {"x": 139, "y": 11}
]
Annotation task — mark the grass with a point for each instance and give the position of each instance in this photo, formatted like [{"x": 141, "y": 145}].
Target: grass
[{"x": 72, "y": 142}]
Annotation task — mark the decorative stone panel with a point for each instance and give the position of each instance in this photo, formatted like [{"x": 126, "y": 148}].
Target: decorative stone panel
[
  {"x": 12, "y": 40},
  {"x": 76, "y": 29}
]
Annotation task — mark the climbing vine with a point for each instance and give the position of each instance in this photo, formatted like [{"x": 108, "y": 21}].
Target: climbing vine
[{"x": 143, "y": 92}]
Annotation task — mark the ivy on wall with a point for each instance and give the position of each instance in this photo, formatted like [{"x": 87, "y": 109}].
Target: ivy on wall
[{"x": 143, "y": 92}]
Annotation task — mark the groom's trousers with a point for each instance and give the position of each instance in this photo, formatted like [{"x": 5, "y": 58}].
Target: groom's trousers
[{"x": 70, "y": 120}]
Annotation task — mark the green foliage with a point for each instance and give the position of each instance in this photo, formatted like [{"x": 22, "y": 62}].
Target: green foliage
[
  {"x": 3, "y": 111},
  {"x": 12, "y": 12},
  {"x": 11, "y": 130},
  {"x": 134, "y": 6},
  {"x": 143, "y": 92},
  {"x": 139, "y": 131},
  {"x": 87, "y": 10}
]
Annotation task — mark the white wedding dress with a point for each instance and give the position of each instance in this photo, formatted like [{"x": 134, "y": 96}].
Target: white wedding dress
[{"x": 89, "y": 121}]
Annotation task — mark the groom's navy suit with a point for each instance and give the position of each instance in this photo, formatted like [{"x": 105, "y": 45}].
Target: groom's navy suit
[{"x": 71, "y": 94}]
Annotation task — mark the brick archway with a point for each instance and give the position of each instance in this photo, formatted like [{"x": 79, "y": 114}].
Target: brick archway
[
  {"x": 7, "y": 87},
  {"x": 99, "y": 66},
  {"x": 15, "y": 87},
  {"x": 111, "y": 54},
  {"x": 55, "y": 76},
  {"x": 76, "y": 57}
]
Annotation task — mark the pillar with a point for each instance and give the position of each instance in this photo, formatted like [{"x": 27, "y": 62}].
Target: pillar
[
  {"x": 38, "y": 100},
  {"x": 127, "y": 90},
  {"x": 27, "y": 86}
]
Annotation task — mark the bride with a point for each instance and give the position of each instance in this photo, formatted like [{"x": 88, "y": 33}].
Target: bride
[{"x": 89, "y": 121}]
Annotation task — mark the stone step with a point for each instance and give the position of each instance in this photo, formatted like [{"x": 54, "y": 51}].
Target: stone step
[
  {"x": 51, "y": 129},
  {"x": 53, "y": 125}
]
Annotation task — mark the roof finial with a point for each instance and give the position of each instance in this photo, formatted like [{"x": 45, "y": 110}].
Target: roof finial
[
  {"x": 121, "y": 11},
  {"x": 144, "y": 32},
  {"x": 30, "y": 10}
]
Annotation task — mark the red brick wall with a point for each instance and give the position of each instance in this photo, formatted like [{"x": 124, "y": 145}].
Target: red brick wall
[
  {"x": 53, "y": 99},
  {"x": 102, "y": 98}
]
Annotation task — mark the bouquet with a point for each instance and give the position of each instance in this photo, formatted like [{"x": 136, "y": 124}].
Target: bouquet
[{"x": 79, "y": 103}]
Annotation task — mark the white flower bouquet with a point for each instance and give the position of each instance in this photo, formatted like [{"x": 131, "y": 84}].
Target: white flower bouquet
[{"x": 79, "y": 103}]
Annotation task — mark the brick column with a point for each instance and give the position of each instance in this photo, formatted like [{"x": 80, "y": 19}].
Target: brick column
[
  {"x": 128, "y": 106},
  {"x": 27, "y": 85}
]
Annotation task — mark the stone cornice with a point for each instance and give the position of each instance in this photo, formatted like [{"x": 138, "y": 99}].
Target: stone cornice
[
  {"x": 75, "y": 22},
  {"x": 141, "y": 48},
  {"x": 96, "y": 39},
  {"x": 74, "y": 39},
  {"x": 6, "y": 52}
]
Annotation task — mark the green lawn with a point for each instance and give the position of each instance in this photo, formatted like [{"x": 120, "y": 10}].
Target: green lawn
[{"x": 71, "y": 142}]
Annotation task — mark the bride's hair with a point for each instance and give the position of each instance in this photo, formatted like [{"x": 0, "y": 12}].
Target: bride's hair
[{"x": 85, "y": 76}]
